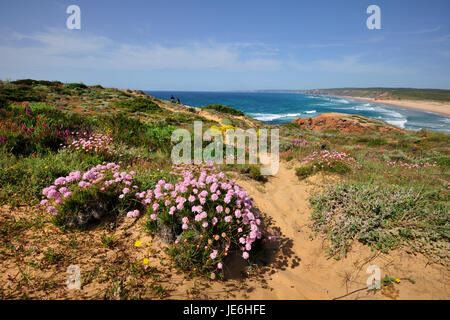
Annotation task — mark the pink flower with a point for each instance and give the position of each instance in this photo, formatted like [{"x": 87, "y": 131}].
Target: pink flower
[
  {"x": 213, "y": 254},
  {"x": 44, "y": 202},
  {"x": 227, "y": 218},
  {"x": 153, "y": 216},
  {"x": 245, "y": 255},
  {"x": 219, "y": 209},
  {"x": 219, "y": 266},
  {"x": 155, "y": 207},
  {"x": 67, "y": 194},
  {"x": 214, "y": 197},
  {"x": 204, "y": 224},
  {"x": 60, "y": 181},
  {"x": 125, "y": 191},
  {"x": 184, "y": 226}
]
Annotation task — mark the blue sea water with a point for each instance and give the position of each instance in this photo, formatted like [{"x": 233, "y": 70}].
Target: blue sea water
[{"x": 277, "y": 108}]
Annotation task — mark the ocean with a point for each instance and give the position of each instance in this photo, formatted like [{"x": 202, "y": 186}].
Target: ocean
[{"x": 278, "y": 108}]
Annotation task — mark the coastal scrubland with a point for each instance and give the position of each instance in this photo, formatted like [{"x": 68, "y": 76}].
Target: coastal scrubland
[{"x": 87, "y": 180}]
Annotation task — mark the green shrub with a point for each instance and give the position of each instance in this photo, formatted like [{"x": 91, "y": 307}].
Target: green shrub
[
  {"x": 383, "y": 217},
  {"x": 304, "y": 172},
  {"x": 139, "y": 104},
  {"x": 223, "y": 109},
  {"x": 255, "y": 174},
  {"x": 443, "y": 161},
  {"x": 372, "y": 142},
  {"x": 76, "y": 86},
  {"x": 337, "y": 167},
  {"x": 20, "y": 93},
  {"x": 3, "y": 102}
]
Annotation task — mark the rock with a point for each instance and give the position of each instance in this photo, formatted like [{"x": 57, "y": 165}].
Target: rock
[{"x": 344, "y": 123}]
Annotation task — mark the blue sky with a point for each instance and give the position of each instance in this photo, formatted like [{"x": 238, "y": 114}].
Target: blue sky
[{"x": 228, "y": 45}]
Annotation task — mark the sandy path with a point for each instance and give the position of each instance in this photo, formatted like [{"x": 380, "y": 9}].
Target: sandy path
[{"x": 285, "y": 199}]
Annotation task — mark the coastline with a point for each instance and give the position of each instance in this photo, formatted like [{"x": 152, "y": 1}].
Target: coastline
[{"x": 422, "y": 105}]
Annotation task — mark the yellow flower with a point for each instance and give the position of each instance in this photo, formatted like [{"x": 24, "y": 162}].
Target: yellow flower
[
  {"x": 145, "y": 261},
  {"x": 137, "y": 243},
  {"x": 397, "y": 280},
  {"x": 46, "y": 167},
  {"x": 393, "y": 185},
  {"x": 148, "y": 244}
]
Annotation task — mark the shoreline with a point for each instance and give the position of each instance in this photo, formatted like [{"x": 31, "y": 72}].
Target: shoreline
[{"x": 442, "y": 108}]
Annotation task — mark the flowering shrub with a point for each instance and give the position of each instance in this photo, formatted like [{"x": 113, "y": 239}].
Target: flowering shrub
[
  {"x": 409, "y": 166},
  {"x": 205, "y": 215},
  {"x": 299, "y": 143},
  {"x": 338, "y": 162},
  {"x": 95, "y": 143},
  {"x": 330, "y": 159},
  {"x": 79, "y": 198}
]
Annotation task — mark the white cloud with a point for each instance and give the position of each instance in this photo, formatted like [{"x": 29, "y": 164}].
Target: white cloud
[
  {"x": 352, "y": 64},
  {"x": 66, "y": 48}
]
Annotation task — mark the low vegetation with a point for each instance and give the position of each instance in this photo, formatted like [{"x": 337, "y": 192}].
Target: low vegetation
[{"x": 223, "y": 109}]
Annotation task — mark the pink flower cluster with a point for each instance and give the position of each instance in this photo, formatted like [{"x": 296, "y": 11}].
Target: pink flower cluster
[
  {"x": 93, "y": 143},
  {"x": 301, "y": 142},
  {"x": 409, "y": 166},
  {"x": 27, "y": 131},
  {"x": 64, "y": 187},
  {"x": 207, "y": 202},
  {"x": 327, "y": 158}
]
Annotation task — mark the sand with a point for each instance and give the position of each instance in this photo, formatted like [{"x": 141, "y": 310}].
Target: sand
[
  {"x": 285, "y": 199},
  {"x": 432, "y": 106}
]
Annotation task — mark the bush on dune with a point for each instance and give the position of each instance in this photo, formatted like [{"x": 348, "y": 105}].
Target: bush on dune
[
  {"x": 139, "y": 104},
  {"x": 20, "y": 93},
  {"x": 335, "y": 162},
  {"x": 383, "y": 217},
  {"x": 206, "y": 215},
  {"x": 80, "y": 198},
  {"x": 223, "y": 109}
]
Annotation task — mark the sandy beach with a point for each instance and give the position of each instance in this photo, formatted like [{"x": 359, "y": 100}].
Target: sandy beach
[{"x": 425, "y": 105}]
